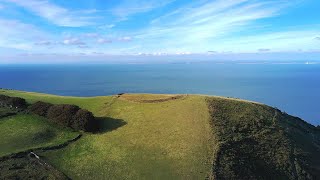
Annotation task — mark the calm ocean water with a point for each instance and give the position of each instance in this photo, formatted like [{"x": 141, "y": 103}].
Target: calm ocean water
[{"x": 294, "y": 88}]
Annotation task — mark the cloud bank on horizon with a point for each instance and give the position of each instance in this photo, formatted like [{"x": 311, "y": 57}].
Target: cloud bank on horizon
[{"x": 157, "y": 27}]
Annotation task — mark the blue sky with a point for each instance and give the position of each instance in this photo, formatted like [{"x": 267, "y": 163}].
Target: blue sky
[{"x": 60, "y": 29}]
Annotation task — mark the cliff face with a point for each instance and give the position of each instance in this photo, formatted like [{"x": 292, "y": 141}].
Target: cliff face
[{"x": 255, "y": 141}]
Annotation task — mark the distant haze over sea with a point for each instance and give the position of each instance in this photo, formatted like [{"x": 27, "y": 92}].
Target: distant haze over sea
[{"x": 291, "y": 87}]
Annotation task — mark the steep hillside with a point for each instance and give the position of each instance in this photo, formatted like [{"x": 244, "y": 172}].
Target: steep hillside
[{"x": 259, "y": 142}]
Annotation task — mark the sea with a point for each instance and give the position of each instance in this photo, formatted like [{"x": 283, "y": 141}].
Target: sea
[{"x": 293, "y": 88}]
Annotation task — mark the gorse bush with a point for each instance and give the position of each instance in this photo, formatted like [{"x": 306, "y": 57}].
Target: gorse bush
[
  {"x": 3, "y": 99},
  {"x": 62, "y": 114},
  {"x": 65, "y": 115},
  {"x": 40, "y": 108},
  {"x": 84, "y": 120},
  {"x": 12, "y": 102}
]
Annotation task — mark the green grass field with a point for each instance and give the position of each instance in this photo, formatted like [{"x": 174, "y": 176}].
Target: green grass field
[
  {"x": 146, "y": 136},
  {"x": 22, "y": 132},
  {"x": 165, "y": 140}
]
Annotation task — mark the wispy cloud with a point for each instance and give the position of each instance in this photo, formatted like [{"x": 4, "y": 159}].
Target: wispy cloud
[
  {"x": 92, "y": 35},
  {"x": 128, "y": 8},
  {"x": 201, "y": 22},
  {"x": 55, "y": 14},
  {"x": 18, "y": 35},
  {"x": 73, "y": 41},
  {"x": 125, "y": 38},
  {"x": 153, "y": 27},
  {"x": 43, "y": 43},
  {"x": 264, "y": 50},
  {"x": 279, "y": 41},
  {"x": 107, "y": 26},
  {"x": 103, "y": 41}
]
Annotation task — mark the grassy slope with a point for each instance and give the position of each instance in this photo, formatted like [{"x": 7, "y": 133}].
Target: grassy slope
[
  {"x": 259, "y": 142},
  {"x": 4, "y": 111},
  {"x": 23, "y": 132},
  {"x": 167, "y": 140},
  {"x": 179, "y": 139},
  {"x": 27, "y": 168}
]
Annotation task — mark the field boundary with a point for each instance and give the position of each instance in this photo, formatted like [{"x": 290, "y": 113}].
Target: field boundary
[{"x": 55, "y": 147}]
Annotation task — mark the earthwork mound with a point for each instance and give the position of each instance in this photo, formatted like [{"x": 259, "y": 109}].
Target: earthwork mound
[{"x": 150, "y": 98}]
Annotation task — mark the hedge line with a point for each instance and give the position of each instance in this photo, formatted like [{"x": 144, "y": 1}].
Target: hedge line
[
  {"x": 12, "y": 102},
  {"x": 63, "y": 114},
  {"x": 66, "y": 115}
]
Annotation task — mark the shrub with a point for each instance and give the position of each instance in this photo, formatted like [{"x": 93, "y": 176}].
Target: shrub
[
  {"x": 17, "y": 102},
  {"x": 62, "y": 114},
  {"x": 12, "y": 102},
  {"x": 4, "y": 98},
  {"x": 40, "y": 108},
  {"x": 84, "y": 120},
  {"x": 66, "y": 115}
]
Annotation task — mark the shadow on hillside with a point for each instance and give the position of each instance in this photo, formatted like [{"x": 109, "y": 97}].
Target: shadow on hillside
[{"x": 107, "y": 124}]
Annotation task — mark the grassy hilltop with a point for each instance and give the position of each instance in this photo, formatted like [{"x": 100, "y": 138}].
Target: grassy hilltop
[{"x": 147, "y": 136}]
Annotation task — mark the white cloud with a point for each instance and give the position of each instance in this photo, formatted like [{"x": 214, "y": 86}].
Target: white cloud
[
  {"x": 128, "y": 8},
  {"x": 54, "y": 13},
  {"x": 210, "y": 20},
  {"x": 92, "y": 35},
  {"x": 73, "y": 41},
  {"x": 279, "y": 41},
  {"x": 264, "y": 50},
  {"x": 43, "y": 43},
  {"x": 107, "y": 26},
  {"x": 83, "y": 46},
  {"x": 202, "y": 25},
  {"x": 125, "y": 38},
  {"x": 103, "y": 41},
  {"x": 198, "y": 26},
  {"x": 18, "y": 35}
]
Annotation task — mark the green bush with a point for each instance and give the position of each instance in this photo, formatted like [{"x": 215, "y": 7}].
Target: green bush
[
  {"x": 66, "y": 115},
  {"x": 84, "y": 120},
  {"x": 62, "y": 114},
  {"x": 40, "y": 108},
  {"x": 12, "y": 102}
]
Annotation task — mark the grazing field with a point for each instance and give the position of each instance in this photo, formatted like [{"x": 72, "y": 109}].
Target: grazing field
[
  {"x": 163, "y": 140},
  {"x": 144, "y": 136},
  {"x": 22, "y": 132}
]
